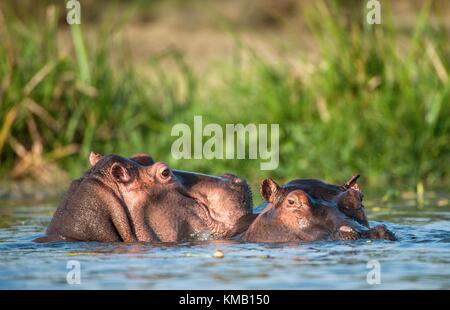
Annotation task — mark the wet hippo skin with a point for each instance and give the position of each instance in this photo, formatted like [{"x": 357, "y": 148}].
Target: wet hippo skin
[
  {"x": 137, "y": 199},
  {"x": 348, "y": 196},
  {"x": 310, "y": 210},
  {"x": 209, "y": 207}
]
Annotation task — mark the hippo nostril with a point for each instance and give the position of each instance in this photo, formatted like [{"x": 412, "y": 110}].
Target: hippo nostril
[
  {"x": 232, "y": 178},
  {"x": 239, "y": 181}
]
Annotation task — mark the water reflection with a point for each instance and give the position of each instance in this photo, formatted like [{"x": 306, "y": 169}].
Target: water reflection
[{"x": 420, "y": 259}]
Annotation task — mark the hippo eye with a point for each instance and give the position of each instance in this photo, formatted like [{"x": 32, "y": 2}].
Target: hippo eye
[
  {"x": 291, "y": 201},
  {"x": 165, "y": 173}
]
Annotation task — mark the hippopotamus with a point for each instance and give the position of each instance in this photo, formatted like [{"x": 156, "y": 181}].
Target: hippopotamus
[
  {"x": 137, "y": 199},
  {"x": 348, "y": 196},
  {"x": 310, "y": 210}
]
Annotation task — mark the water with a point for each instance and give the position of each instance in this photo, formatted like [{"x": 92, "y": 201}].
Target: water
[{"x": 419, "y": 260}]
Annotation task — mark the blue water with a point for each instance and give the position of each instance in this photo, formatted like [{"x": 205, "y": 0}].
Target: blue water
[{"x": 419, "y": 260}]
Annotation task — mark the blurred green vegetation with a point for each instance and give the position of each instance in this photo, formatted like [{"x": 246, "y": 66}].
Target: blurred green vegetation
[{"x": 376, "y": 102}]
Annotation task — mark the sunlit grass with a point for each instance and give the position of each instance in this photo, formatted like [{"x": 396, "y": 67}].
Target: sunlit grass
[{"x": 370, "y": 104}]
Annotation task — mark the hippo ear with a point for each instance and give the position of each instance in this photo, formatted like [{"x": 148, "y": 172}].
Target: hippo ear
[
  {"x": 143, "y": 159},
  {"x": 94, "y": 158},
  {"x": 268, "y": 189},
  {"x": 120, "y": 173},
  {"x": 352, "y": 183}
]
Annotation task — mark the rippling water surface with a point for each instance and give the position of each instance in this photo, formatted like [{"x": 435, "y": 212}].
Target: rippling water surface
[{"x": 419, "y": 260}]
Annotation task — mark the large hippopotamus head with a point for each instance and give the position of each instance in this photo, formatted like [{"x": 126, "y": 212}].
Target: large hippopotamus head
[
  {"x": 294, "y": 214},
  {"x": 138, "y": 199}
]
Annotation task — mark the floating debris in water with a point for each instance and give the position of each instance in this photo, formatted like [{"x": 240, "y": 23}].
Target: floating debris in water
[
  {"x": 264, "y": 256},
  {"x": 218, "y": 254},
  {"x": 197, "y": 255}
]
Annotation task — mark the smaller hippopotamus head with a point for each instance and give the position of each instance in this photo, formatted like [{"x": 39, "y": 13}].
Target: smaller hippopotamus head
[
  {"x": 292, "y": 214},
  {"x": 347, "y": 196}
]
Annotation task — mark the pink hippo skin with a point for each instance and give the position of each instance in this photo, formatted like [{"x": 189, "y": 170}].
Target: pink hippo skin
[
  {"x": 137, "y": 199},
  {"x": 310, "y": 210}
]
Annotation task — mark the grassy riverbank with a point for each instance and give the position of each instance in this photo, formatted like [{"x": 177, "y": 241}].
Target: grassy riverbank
[{"x": 373, "y": 100}]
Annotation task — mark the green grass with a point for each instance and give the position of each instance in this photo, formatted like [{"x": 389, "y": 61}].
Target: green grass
[{"x": 370, "y": 104}]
